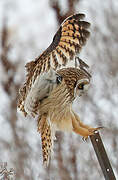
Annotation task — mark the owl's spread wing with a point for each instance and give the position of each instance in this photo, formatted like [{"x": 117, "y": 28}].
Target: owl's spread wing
[{"x": 67, "y": 42}]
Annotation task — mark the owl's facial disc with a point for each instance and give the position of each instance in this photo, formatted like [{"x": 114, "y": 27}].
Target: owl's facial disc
[{"x": 81, "y": 87}]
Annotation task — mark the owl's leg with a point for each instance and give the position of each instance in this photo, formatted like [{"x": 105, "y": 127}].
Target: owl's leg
[
  {"x": 89, "y": 127},
  {"x": 82, "y": 129},
  {"x": 84, "y": 125}
]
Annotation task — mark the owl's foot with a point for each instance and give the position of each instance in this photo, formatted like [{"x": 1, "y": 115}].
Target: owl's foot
[
  {"x": 91, "y": 131},
  {"x": 85, "y": 132},
  {"x": 82, "y": 129}
]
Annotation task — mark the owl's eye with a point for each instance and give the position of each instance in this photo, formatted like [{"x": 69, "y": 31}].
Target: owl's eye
[
  {"x": 59, "y": 79},
  {"x": 81, "y": 86}
]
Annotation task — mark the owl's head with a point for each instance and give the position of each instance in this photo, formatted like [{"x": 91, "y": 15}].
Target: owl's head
[{"x": 76, "y": 80}]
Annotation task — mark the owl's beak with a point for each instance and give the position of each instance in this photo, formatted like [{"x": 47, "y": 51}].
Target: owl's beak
[{"x": 81, "y": 93}]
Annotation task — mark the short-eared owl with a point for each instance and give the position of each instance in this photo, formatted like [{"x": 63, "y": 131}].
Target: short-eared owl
[{"x": 50, "y": 89}]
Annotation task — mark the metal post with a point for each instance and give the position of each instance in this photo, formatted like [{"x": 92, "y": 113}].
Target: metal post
[{"x": 102, "y": 156}]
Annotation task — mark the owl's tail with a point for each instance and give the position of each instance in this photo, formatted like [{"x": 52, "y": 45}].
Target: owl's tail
[{"x": 47, "y": 138}]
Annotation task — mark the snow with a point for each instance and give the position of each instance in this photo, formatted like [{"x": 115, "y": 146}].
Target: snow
[{"x": 32, "y": 26}]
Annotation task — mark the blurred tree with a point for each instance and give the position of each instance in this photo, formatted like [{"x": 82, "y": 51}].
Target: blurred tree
[
  {"x": 70, "y": 9},
  {"x": 11, "y": 88}
]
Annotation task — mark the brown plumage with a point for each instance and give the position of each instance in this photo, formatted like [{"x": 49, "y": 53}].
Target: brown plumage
[
  {"x": 67, "y": 42},
  {"x": 49, "y": 89},
  {"x": 46, "y": 137}
]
